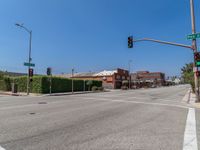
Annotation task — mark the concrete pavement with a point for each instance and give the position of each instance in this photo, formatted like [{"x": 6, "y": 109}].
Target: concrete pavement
[{"x": 146, "y": 119}]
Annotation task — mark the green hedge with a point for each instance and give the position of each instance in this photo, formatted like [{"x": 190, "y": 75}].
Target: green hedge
[
  {"x": 5, "y": 84},
  {"x": 41, "y": 84}
]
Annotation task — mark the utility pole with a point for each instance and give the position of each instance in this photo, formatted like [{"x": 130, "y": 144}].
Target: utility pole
[{"x": 194, "y": 45}]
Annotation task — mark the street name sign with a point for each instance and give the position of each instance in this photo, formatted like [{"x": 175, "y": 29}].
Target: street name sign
[
  {"x": 193, "y": 36},
  {"x": 29, "y": 64}
]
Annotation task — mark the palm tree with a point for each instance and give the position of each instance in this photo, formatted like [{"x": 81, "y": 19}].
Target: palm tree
[{"x": 187, "y": 68}]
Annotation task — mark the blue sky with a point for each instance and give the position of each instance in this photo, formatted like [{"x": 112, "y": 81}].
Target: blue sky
[{"x": 91, "y": 35}]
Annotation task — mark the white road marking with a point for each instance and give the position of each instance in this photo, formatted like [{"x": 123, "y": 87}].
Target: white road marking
[
  {"x": 1, "y": 148},
  {"x": 190, "y": 136},
  {"x": 137, "y": 102}
]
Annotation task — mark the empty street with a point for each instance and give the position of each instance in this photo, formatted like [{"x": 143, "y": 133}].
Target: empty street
[{"x": 144, "y": 119}]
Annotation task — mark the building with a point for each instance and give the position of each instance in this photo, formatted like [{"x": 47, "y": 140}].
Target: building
[
  {"x": 111, "y": 79},
  {"x": 146, "y": 78}
]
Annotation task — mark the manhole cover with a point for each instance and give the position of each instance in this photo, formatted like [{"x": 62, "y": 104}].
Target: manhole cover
[
  {"x": 32, "y": 113},
  {"x": 42, "y": 103}
]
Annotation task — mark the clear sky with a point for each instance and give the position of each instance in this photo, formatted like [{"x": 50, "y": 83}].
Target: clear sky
[{"x": 91, "y": 35}]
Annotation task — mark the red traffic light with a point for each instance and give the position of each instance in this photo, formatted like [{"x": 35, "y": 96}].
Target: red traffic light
[
  {"x": 30, "y": 71},
  {"x": 197, "y": 55},
  {"x": 197, "y": 73}
]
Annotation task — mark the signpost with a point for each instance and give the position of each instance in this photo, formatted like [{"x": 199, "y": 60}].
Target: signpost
[
  {"x": 29, "y": 64},
  {"x": 193, "y": 36}
]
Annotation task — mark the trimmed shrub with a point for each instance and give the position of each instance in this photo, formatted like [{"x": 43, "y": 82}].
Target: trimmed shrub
[
  {"x": 100, "y": 88},
  {"x": 41, "y": 84},
  {"x": 5, "y": 84},
  {"x": 94, "y": 88}
]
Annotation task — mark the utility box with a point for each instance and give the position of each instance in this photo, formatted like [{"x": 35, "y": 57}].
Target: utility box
[{"x": 14, "y": 88}]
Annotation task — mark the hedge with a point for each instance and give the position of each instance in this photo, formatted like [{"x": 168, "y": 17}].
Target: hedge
[
  {"x": 41, "y": 84},
  {"x": 5, "y": 84}
]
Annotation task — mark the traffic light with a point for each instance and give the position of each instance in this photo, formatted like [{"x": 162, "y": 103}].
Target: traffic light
[
  {"x": 48, "y": 71},
  {"x": 30, "y": 72},
  {"x": 130, "y": 42},
  {"x": 197, "y": 59},
  {"x": 197, "y": 73}
]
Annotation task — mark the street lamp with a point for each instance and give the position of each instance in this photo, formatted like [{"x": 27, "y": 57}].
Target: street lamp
[{"x": 29, "y": 56}]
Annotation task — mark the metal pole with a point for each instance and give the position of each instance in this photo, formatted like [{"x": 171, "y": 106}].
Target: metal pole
[
  {"x": 50, "y": 84},
  {"x": 72, "y": 81},
  {"x": 164, "y": 42},
  {"x": 29, "y": 55},
  {"x": 29, "y": 60},
  {"x": 194, "y": 45},
  {"x": 84, "y": 85},
  {"x": 129, "y": 68}
]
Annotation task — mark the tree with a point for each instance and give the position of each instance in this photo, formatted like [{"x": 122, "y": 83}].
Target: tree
[
  {"x": 188, "y": 68},
  {"x": 1, "y": 75},
  {"x": 89, "y": 83},
  {"x": 187, "y": 74}
]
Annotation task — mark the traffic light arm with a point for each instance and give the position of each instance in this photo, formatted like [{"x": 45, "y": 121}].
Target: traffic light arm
[{"x": 165, "y": 42}]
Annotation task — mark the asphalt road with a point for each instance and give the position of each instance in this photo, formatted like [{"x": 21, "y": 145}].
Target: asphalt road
[{"x": 145, "y": 119}]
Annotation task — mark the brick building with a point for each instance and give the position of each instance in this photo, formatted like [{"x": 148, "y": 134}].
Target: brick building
[
  {"x": 146, "y": 78},
  {"x": 110, "y": 79}
]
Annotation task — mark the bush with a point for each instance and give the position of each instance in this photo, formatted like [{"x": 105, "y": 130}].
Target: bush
[
  {"x": 94, "y": 88},
  {"x": 41, "y": 84},
  {"x": 100, "y": 88},
  {"x": 5, "y": 84}
]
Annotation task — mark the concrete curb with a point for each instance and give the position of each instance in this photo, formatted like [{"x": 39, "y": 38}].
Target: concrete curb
[
  {"x": 191, "y": 99},
  {"x": 44, "y": 95},
  {"x": 187, "y": 97}
]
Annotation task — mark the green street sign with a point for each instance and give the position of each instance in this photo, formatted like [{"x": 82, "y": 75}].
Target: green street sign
[
  {"x": 29, "y": 64},
  {"x": 198, "y": 63},
  {"x": 193, "y": 36}
]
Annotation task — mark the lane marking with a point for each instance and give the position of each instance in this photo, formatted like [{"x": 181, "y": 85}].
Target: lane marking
[
  {"x": 190, "y": 136},
  {"x": 1, "y": 148},
  {"x": 137, "y": 102}
]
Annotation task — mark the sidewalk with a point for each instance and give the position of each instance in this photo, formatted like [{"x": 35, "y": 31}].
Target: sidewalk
[{"x": 52, "y": 94}]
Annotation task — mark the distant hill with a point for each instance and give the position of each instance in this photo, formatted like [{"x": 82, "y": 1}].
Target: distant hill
[{"x": 12, "y": 74}]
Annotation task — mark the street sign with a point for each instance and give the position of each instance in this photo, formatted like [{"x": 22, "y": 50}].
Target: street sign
[
  {"x": 29, "y": 64},
  {"x": 193, "y": 36}
]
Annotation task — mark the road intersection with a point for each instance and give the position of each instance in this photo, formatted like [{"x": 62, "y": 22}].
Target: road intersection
[{"x": 145, "y": 119}]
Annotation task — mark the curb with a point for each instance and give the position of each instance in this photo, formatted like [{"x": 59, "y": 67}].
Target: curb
[
  {"x": 187, "y": 97},
  {"x": 192, "y": 99}
]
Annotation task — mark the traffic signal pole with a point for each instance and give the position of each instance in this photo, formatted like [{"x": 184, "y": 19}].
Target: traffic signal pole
[
  {"x": 164, "y": 42},
  {"x": 193, "y": 48},
  {"x": 194, "y": 45}
]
